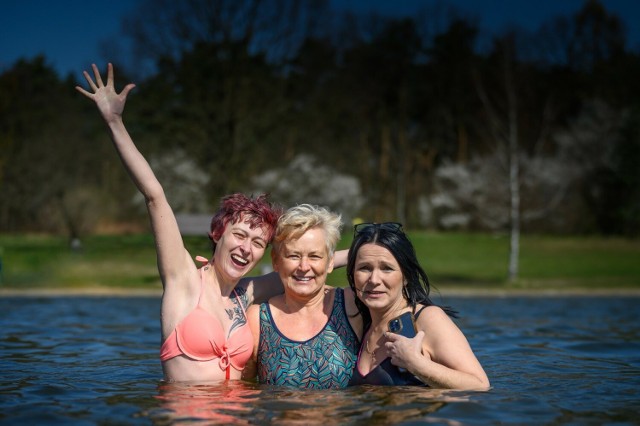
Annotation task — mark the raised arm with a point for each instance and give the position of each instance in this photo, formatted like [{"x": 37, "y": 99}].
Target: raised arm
[{"x": 172, "y": 256}]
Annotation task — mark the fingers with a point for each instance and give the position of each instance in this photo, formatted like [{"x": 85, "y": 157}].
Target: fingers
[
  {"x": 127, "y": 89},
  {"x": 99, "y": 84},
  {"x": 89, "y": 80},
  {"x": 109, "y": 74},
  {"x": 84, "y": 92},
  {"x": 391, "y": 337},
  {"x": 96, "y": 73}
]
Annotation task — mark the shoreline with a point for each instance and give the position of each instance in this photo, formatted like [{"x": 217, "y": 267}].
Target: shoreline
[{"x": 450, "y": 292}]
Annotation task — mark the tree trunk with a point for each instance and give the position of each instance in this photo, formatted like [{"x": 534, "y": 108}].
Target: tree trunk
[{"x": 514, "y": 174}]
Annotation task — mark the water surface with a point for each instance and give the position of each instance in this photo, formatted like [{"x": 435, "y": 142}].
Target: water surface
[{"x": 94, "y": 360}]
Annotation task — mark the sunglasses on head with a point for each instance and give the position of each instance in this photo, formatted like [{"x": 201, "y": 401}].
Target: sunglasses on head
[{"x": 386, "y": 226}]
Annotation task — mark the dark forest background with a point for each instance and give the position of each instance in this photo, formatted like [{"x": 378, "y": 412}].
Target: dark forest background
[{"x": 427, "y": 121}]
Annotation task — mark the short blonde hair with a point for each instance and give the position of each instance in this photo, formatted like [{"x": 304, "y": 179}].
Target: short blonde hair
[{"x": 299, "y": 219}]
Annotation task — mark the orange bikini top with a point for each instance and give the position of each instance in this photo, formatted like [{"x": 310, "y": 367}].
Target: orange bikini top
[{"x": 200, "y": 337}]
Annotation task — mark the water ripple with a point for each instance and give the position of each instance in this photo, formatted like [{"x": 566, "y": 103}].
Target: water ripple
[{"x": 95, "y": 360}]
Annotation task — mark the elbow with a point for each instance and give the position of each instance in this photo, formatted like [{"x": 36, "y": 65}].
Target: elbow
[
  {"x": 154, "y": 196},
  {"x": 483, "y": 385}
]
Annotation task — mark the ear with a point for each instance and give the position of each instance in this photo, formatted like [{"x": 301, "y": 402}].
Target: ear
[
  {"x": 331, "y": 262},
  {"x": 214, "y": 240}
]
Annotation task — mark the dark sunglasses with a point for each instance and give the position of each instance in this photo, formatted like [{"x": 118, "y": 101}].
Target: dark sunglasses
[{"x": 386, "y": 226}]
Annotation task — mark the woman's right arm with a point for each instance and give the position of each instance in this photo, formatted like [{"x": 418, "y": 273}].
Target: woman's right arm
[{"x": 172, "y": 256}]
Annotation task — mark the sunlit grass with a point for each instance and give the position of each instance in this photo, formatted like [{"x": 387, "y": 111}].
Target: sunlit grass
[{"x": 460, "y": 260}]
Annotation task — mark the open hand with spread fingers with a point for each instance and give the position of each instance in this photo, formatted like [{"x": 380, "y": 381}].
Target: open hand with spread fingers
[{"x": 109, "y": 102}]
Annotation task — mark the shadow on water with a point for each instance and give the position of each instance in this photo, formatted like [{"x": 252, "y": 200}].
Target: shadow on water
[{"x": 94, "y": 360}]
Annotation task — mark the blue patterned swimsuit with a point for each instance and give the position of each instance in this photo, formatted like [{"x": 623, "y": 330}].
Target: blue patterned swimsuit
[{"x": 325, "y": 361}]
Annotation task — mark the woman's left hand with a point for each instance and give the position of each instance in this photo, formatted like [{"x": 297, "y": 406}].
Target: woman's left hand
[{"x": 404, "y": 351}]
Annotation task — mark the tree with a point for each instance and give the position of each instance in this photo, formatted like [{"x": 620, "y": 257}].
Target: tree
[
  {"x": 306, "y": 179},
  {"x": 604, "y": 145},
  {"x": 504, "y": 130},
  {"x": 47, "y": 167},
  {"x": 223, "y": 66}
]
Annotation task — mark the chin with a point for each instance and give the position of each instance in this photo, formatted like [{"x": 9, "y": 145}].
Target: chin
[{"x": 375, "y": 304}]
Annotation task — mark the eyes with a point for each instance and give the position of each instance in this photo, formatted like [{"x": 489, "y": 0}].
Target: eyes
[
  {"x": 258, "y": 243},
  {"x": 297, "y": 256},
  {"x": 368, "y": 267}
]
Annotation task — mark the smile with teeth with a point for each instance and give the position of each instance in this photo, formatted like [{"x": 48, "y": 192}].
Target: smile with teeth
[
  {"x": 303, "y": 279},
  {"x": 240, "y": 260}
]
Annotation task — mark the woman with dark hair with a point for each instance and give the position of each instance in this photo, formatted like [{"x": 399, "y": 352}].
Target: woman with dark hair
[
  {"x": 204, "y": 328},
  {"x": 408, "y": 340}
]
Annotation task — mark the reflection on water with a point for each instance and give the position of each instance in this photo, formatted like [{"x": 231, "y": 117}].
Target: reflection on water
[
  {"x": 249, "y": 403},
  {"x": 224, "y": 403},
  {"x": 76, "y": 360}
]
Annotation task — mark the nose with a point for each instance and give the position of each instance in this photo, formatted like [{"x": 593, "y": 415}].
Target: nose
[
  {"x": 304, "y": 264},
  {"x": 374, "y": 277},
  {"x": 245, "y": 246}
]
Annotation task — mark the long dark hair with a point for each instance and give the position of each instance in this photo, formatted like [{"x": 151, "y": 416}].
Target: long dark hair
[{"x": 391, "y": 237}]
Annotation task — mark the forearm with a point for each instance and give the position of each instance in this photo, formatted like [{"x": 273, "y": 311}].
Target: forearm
[
  {"x": 442, "y": 377},
  {"x": 134, "y": 162},
  {"x": 172, "y": 257},
  {"x": 263, "y": 287},
  {"x": 340, "y": 258}
]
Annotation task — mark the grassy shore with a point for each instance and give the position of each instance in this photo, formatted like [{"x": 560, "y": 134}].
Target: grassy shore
[{"x": 455, "y": 262}]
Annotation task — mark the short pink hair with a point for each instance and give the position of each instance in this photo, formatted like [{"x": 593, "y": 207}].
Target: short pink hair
[{"x": 256, "y": 211}]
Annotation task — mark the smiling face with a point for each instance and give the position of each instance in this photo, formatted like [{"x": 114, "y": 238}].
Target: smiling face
[
  {"x": 238, "y": 250},
  {"x": 378, "y": 279},
  {"x": 303, "y": 263}
]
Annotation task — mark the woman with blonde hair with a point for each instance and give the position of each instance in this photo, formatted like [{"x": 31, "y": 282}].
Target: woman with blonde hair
[{"x": 307, "y": 337}]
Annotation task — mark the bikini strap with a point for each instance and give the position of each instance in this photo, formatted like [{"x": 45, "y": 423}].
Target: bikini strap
[
  {"x": 240, "y": 302},
  {"x": 417, "y": 314}
]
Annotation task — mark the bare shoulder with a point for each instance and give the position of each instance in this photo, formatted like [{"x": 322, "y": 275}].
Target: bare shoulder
[
  {"x": 253, "y": 311},
  {"x": 433, "y": 317}
]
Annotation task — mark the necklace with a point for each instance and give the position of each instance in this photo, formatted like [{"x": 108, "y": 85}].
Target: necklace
[{"x": 371, "y": 353}]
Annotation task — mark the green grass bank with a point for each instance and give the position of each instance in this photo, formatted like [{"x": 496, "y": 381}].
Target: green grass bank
[{"x": 453, "y": 261}]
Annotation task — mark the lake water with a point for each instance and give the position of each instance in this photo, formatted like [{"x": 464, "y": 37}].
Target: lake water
[{"x": 94, "y": 360}]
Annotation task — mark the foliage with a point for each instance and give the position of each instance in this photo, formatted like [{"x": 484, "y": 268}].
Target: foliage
[
  {"x": 234, "y": 94},
  {"x": 305, "y": 179},
  {"x": 452, "y": 260},
  {"x": 183, "y": 181}
]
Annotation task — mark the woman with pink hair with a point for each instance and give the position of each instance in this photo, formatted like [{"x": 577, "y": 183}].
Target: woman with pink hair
[{"x": 205, "y": 333}]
